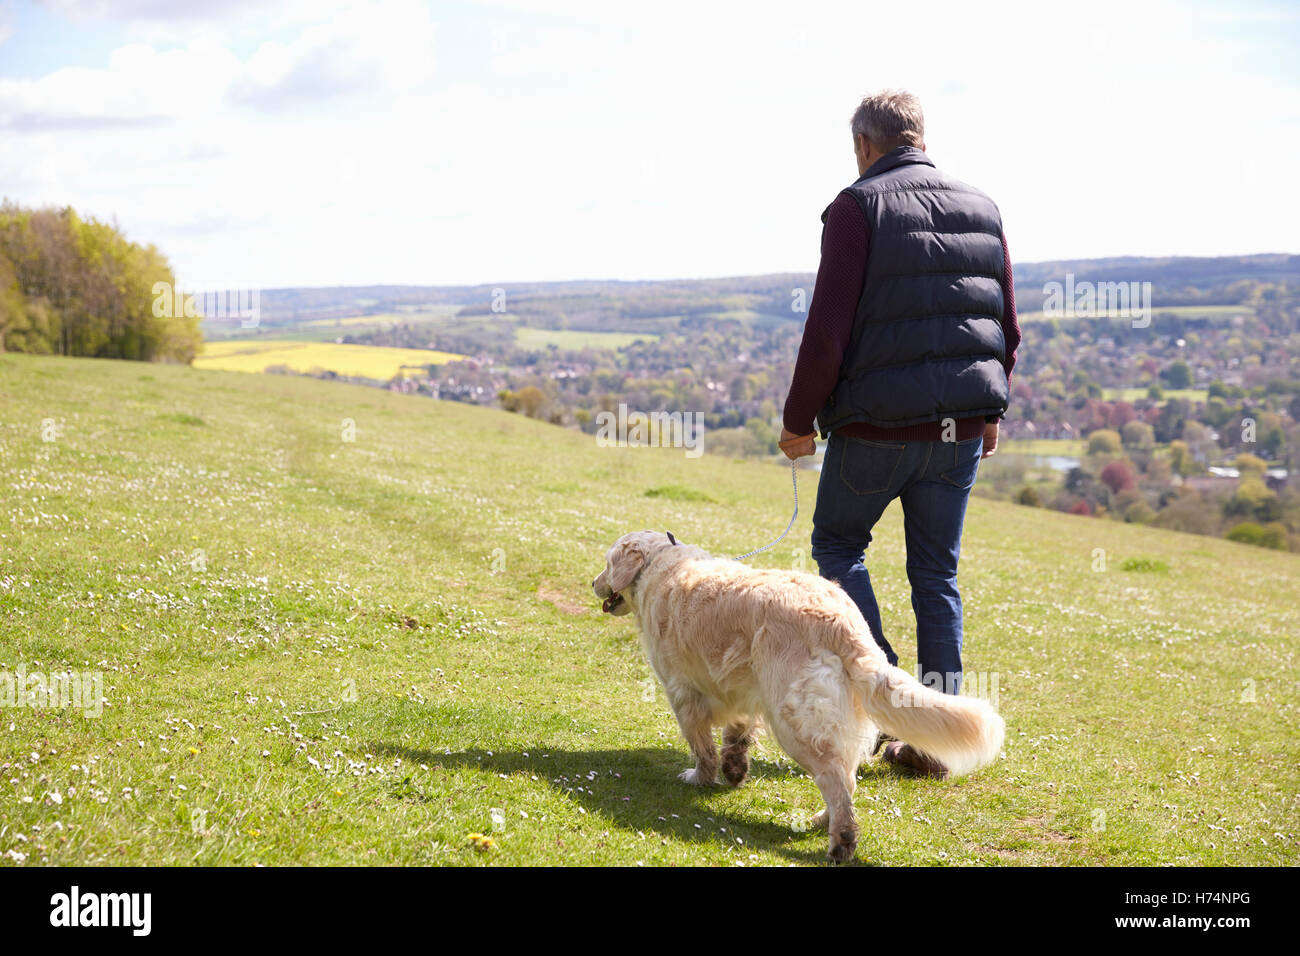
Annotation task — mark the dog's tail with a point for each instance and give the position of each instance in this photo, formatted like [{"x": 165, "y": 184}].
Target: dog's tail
[{"x": 962, "y": 733}]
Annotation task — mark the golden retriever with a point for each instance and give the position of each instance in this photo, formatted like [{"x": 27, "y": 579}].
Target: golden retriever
[{"x": 732, "y": 644}]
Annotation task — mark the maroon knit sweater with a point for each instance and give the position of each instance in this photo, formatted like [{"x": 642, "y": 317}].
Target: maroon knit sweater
[{"x": 826, "y": 334}]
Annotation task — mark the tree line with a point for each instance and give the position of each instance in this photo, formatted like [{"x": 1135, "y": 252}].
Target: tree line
[{"x": 72, "y": 285}]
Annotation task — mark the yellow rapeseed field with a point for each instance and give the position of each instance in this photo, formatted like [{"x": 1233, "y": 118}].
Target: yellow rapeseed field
[{"x": 365, "y": 361}]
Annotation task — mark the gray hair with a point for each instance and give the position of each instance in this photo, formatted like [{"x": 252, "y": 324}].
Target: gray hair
[{"x": 890, "y": 119}]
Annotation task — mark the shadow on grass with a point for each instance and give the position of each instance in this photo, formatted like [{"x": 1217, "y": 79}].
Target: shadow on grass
[{"x": 646, "y": 795}]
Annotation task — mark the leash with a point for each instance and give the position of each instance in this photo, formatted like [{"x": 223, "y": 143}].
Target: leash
[{"x": 794, "y": 483}]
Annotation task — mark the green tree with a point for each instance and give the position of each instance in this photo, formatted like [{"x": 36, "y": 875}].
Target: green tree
[
  {"x": 1178, "y": 375},
  {"x": 1253, "y": 500},
  {"x": 1246, "y": 463},
  {"x": 1105, "y": 441},
  {"x": 1248, "y": 532},
  {"x": 1139, "y": 512},
  {"x": 1137, "y": 434},
  {"x": 77, "y": 286},
  {"x": 1028, "y": 495},
  {"x": 1181, "y": 460}
]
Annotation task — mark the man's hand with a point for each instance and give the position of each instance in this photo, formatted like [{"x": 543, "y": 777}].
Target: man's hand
[
  {"x": 990, "y": 439},
  {"x": 797, "y": 446}
]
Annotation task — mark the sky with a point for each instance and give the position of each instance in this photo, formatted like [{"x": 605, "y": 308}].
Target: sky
[{"x": 318, "y": 142}]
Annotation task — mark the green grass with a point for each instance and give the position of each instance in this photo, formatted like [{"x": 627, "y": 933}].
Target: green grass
[
  {"x": 677, "y": 493},
  {"x": 1143, "y": 564},
  {"x": 324, "y": 651}
]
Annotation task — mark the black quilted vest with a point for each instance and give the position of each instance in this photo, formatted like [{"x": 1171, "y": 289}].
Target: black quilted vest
[{"x": 927, "y": 340}]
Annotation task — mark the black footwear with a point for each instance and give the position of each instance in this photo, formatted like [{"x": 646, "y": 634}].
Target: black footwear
[{"x": 904, "y": 755}]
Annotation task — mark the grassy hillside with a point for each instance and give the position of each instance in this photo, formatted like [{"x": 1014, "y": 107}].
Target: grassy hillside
[{"x": 318, "y": 651}]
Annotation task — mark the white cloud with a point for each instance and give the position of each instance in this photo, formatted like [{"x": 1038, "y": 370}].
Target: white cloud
[
  {"x": 139, "y": 87},
  {"x": 184, "y": 10},
  {"x": 556, "y": 140},
  {"x": 383, "y": 47}
]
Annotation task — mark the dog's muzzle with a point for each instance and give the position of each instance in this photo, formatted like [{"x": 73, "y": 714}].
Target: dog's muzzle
[{"x": 611, "y": 602}]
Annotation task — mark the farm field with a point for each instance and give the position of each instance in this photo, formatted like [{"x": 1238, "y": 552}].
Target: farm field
[
  {"x": 329, "y": 329},
  {"x": 1064, "y": 447},
  {"x": 323, "y": 645},
  {"x": 363, "y": 361},
  {"x": 221, "y": 339},
  {"x": 1133, "y": 394},
  {"x": 527, "y": 337}
]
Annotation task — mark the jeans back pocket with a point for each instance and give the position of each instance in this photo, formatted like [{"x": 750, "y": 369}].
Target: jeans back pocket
[
  {"x": 868, "y": 467},
  {"x": 965, "y": 462}
]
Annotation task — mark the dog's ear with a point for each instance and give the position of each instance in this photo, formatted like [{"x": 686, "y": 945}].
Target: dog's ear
[{"x": 625, "y": 566}]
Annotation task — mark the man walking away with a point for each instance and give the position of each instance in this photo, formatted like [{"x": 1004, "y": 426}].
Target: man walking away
[{"x": 905, "y": 365}]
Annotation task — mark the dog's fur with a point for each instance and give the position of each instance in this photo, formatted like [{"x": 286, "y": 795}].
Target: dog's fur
[{"x": 733, "y": 644}]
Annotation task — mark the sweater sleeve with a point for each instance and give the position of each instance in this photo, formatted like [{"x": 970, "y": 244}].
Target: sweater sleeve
[
  {"x": 1010, "y": 324},
  {"x": 831, "y": 313}
]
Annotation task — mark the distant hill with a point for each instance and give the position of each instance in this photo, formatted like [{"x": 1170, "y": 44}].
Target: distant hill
[
  {"x": 604, "y": 304},
  {"x": 1176, "y": 281}
]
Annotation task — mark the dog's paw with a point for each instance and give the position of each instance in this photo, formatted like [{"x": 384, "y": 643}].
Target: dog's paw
[
  {"x": 843, "y": 850},
  {"x": 694, "y": 778},
  {"x": 735, "y": 767}
]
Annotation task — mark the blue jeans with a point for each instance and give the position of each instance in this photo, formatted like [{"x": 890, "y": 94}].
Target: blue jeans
[{"x": 933, "y": 480}]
